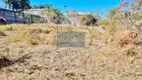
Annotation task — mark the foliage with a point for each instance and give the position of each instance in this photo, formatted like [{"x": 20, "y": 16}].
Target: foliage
[
  {"x": 42, "y": 6},
  {"x": 127, "y": 13},
  {"x": 103, "y": 22},
  {"x": 49, "y": 10},
  {"x": 17, "y": 4},
  {"x": 2, "y": 33},
  {"x": 25, "y": 4},
  {"x": 88, "y": 20},
  {"x": 55, "y": 13},
  {"x": 139, "y": 2},
  {"x": 113, "y": 13},
  {"x": 126, "y": 10}
]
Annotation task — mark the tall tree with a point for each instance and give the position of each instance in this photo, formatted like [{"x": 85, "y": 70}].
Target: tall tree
[
  {"x": 17, "y": 4},
  {"x": 25, "y": 4},
  {"x": 7, "y": 3}
]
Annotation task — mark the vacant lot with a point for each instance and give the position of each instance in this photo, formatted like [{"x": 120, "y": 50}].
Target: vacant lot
[{"x": 29, "y": 52}]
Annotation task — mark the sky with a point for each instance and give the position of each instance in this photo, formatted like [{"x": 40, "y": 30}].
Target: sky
[{"x": 79, "y": 5}]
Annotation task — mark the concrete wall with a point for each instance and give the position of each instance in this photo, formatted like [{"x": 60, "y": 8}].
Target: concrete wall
[{"x": 18, "y": 17}]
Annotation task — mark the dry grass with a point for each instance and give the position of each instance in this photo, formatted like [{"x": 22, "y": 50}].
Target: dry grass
[
  {"x": 46, "y": 34},
  {"x": 104, "y": 52},
  {"x": 37, "y": 34},
  {"x": 2, "y": 34}
]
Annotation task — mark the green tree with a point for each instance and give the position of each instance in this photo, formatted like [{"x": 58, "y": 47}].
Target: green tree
[
  {"x": 7, "y": 2},
  {"x": 17, "y": 4},
  {"x": 48, "y": 6},
  {"x": 25, "y": 4},
  {"x": 10, "y": 3}
]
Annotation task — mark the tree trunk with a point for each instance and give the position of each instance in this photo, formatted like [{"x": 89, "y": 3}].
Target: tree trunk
[{"x": 13, "y": 7}]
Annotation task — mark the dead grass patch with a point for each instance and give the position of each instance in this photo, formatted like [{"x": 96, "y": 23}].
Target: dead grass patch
[{"x": 2, "y": 33}]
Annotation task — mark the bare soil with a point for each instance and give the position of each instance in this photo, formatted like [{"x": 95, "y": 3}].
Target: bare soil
[{"x": 100, "y": 61}]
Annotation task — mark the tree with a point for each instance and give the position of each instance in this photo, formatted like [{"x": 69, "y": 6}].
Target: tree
[
  {"x": 25, "y": 4},
  {"x": 88, "y": 20},
  {"x": 17, "y": 4},
  {"x": 8, "y": 3},
  {"x": 49, "y": 10},
  {"x": 49, "y": 6},
  {"x": 139, "y": 2}
]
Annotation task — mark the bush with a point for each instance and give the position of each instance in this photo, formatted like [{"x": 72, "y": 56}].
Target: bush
[
  {"x": 2, "y": 33},
  {"x": 103, "y": 22},
  {"x": 88, "y": 20}
]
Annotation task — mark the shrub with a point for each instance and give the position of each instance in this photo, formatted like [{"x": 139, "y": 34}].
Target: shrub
[
  {"x": 103, "y": 22},
  {"x": 9, "y": 28},
  {"x": 38, "y": 30},
  {"x": 88, "y": 20},
  {"x": 125, "y": 37},
  {"x": 31, "y": 36},
  {"x": 2, "y": 34},
  {"x": 25, "y": 37}
]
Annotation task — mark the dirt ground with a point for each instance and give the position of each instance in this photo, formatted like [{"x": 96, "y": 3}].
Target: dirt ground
[{"x": 99, "y": 61}]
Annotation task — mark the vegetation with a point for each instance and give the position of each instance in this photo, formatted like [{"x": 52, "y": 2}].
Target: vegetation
[
  {"x": 17, "y": 4},
  {"x": 125, "y": 13},
  {"x": 49, "y": 6},
  {"x": 102, "y": 51},
  {"x": 88, "y": 20},
  {"x": 54, "y": 13},
  {"x": 2, "y": 33},
  {"x": 111, "y": 48}
]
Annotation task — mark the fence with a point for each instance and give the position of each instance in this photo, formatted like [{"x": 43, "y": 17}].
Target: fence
[{"x": 19, "y": 17}]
